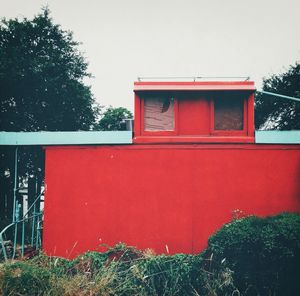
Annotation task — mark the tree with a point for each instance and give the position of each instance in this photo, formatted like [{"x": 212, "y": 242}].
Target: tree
[
  {"x": 279, "y": 113},
  {"x": 41, "y": 88},
  {"x": 41, "y": 74},
  {"x": 113, "y": 119}
]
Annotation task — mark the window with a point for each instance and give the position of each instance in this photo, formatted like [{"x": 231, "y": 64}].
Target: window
[
  {"x": 229, "y": 113},
  {"x": 159, "y": 114}
]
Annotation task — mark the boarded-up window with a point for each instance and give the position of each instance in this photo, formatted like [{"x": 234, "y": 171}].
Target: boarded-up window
[
  {"x": 229, "y": 113},
  {"x": 159, "y": 114}
]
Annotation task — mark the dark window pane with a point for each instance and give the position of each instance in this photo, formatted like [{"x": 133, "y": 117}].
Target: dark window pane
[
  {"x": 229, "y": 113},
  {"x": 159, "y": 114}
]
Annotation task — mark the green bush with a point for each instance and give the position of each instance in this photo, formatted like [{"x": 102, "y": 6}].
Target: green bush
[
  {"x": 211, "y": 278},
  {"x": 263, "y": 253},
  {"x": 23, "y": 278},
  {"x": 166, "y": 275}
]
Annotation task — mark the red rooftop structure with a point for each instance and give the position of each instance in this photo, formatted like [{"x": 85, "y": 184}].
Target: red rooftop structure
[
  {"x": 194, "y": 112},
  {"x": 193, "y": 163}
]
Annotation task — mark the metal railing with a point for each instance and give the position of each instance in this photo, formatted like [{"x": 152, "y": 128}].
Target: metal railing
[
  {"x": 193, "y": 78},
  {"x": 33, "y": 215},
  {"x": 278, "y": 95}
]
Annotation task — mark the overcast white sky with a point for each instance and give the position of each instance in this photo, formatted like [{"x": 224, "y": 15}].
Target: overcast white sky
[{"x": 124, "y": 39}]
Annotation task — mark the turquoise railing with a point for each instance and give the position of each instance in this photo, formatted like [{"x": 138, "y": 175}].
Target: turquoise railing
[{"x": 34, "y": 216}]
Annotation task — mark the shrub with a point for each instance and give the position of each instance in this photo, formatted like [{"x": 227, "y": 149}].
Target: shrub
[
  {"x": 89, "y": 264},
  {"x": 263, "y": 253},
  {"x": 166, "y": 275},
  {"x": 212, "y": 278},
  {"x": 23, "y": 278}
]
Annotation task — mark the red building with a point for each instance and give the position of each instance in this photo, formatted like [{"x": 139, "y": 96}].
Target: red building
[{"x": 194, "y": 161}]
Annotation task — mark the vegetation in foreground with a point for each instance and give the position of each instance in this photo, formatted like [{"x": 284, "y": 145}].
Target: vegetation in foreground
[{"x": 249, "y": 256}]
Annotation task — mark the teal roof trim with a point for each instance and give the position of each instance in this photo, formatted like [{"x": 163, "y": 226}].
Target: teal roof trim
[
  {"x": 66, "y": 138},
  {"x": 277, "y": 137},
  {"x": 119, "y": 137}
]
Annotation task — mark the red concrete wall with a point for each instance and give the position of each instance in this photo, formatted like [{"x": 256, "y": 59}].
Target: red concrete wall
[{"x": 157, "y": 195}]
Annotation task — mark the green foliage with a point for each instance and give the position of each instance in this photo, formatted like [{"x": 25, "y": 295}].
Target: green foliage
[
  {"x": 121, "y": 270},
  {"x": 263, "y": 253},
  {"x": 112, "y": 119},
  {"x": 278, "y": 113},
  {"x": 22, "y": 278},
  {"x": 249, "y": 256},
  {"x": 209, "y": 277},
  {"x": 89, "y": 263},
  {"x": 41, "y": 78},
  {"x": 166, "y": 275}
]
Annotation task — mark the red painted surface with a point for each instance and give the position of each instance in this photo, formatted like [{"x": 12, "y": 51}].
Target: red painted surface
[
  {"x": 150, "y": 196},
  {"x": 250, "y": 115},
  {"x": 192, "y": 116},
  {"x": 194, "y": 112},
  {"x": 174, "y": 192},
  {"x": 191, "y": 139},
  {"x": 196, "y": 85}
]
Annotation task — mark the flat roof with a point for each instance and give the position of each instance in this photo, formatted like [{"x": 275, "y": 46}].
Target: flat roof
[
  {"x": 194, "y": 86},
  {"x": 118, "y": 138},
  {"x": 66, "y": 138},
  {"x": 277, "y": 137}
]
